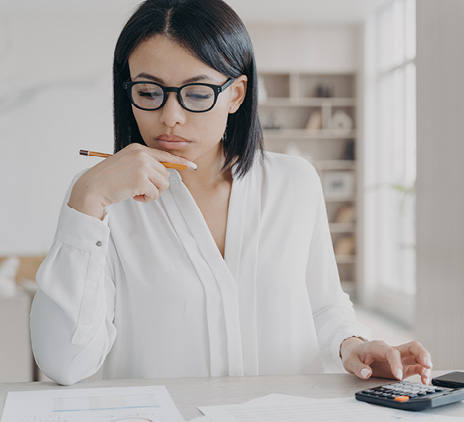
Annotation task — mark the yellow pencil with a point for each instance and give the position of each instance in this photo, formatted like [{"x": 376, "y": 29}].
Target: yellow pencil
[{"x": 104, "y": 155}]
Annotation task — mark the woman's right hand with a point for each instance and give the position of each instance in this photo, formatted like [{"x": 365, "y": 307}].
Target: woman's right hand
[{"x": 134, "y": 172}]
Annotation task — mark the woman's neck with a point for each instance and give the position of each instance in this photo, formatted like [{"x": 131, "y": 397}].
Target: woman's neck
[{"x": 209, "y": 175}]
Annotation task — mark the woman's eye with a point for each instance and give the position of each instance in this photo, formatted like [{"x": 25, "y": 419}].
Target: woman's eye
[
  {"x": 198, "y": 96},
  {"x": 151, "y": 94}
]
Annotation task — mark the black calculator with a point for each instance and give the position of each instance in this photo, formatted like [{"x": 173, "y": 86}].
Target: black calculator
[{"x": 408, "y": 395}]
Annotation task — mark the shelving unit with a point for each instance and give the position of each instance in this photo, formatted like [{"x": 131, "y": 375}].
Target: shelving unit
[{"x": 314, "y": 115}]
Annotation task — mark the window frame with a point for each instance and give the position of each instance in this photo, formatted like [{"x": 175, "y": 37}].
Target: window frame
[{"x": 379, "y": 193}]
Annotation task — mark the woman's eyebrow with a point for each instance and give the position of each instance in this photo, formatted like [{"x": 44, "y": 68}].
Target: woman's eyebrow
[
  {"x": 200, "y": 78},
  {"x": 147, "y": 76},
  {"x": 194, "y": 79}
]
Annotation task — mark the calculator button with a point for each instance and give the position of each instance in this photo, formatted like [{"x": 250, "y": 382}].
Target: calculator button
[{"x": 402, "y": 398}]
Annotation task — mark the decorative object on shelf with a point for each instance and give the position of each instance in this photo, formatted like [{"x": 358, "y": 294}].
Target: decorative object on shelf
[
  {"x": 314, "y": 121},
  {"x": 341, "y": 123},
  {"x": 270, "y": 122},
  {"x": 350, "y": 151},
  {"x": 345, "y": 245},
  {"x": 323, "y": 90},
  {"x": 338, "y": 182},
  {"x": 346, "y": 215},
  {"x": 262, "y": 92}
]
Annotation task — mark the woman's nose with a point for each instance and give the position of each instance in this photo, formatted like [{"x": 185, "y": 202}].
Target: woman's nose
[{"x": 172, "y": 112}]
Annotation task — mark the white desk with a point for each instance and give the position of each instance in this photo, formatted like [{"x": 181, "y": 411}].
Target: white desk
[{"x": 188, "y": 393}]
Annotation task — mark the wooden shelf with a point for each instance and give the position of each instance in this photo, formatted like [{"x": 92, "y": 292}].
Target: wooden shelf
[
  {"x": 340, "y": 198},
  {"x": 345, "y": 259},
  {"x": 308, "y": 102},
  {"x": 342, "y": 227},
  {"x": 334, "y": 164},
  {"x": 307, "y": 134}
]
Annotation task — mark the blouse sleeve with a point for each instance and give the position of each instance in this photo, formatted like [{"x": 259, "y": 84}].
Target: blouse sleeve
[
  {"x": 72, "y": 313},
  {"x": 333, "y": 312}
]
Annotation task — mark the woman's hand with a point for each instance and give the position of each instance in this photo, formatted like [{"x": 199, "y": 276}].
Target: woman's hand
[
  {"x": 378, "y": 359},
  {"x": 134, "y": 172}
]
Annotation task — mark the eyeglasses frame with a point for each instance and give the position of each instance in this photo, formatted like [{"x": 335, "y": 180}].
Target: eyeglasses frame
[{"x": 217, "y": 89}]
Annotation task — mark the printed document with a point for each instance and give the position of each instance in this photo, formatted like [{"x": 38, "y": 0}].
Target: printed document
[
  {"x": 283, "y": 408},
  {"x": 122, "y": 404}
]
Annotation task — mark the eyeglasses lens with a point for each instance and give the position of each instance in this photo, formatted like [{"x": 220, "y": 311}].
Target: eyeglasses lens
[
  {"x": 197, "y": 97},
  {"x": 148, "y": 96}
]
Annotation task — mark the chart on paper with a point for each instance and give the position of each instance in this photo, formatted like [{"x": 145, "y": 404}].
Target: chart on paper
[
  {"x": 128, "y": 404},
  {"x": 92, "y": 403}
]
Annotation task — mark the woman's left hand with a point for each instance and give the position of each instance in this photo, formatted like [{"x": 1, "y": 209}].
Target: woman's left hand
[{"x": 378, "y": 359}]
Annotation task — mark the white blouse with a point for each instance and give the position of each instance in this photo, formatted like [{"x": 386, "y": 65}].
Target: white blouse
[{"x": 145, "y": 293}]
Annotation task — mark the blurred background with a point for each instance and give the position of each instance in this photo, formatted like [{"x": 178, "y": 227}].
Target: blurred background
[{"x": 370, "y": 91}]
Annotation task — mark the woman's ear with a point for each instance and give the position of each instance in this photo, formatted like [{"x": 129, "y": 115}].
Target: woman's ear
[{"x": 239, "y": 89}]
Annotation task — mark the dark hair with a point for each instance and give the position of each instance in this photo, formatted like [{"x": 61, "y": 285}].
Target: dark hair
[{"x": 213, "y": 33}]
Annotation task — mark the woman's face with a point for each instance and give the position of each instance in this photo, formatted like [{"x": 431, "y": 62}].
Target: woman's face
[{"x": 195, "y": 136}]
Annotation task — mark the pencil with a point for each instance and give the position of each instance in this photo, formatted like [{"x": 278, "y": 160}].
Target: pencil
[{"x": 104, "y": 155}]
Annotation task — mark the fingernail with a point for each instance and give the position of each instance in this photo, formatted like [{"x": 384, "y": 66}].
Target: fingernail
[
  {"x": 365, "y": 372},
  {"x": 427, "y": 373},
  {"x": 399, "y": 374},
  {"x": 192, "y": 165},
  {"x": 428, "y": 362}
]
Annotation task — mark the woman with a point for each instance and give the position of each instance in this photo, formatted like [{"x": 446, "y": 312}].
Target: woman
[{"x": 226, "y": 270}]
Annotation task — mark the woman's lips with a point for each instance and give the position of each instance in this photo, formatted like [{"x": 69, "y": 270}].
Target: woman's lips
[{"x": 172, "y": 142}]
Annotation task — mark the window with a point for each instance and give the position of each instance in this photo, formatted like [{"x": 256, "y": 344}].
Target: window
[{"x": 390, "y": 160}]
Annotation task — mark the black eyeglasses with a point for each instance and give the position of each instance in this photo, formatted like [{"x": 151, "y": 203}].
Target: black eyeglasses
[{"x": 195, "y": 97}]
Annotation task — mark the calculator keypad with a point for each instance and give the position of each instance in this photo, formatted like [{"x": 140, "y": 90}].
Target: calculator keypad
[
  {"x": 403, "y": 391},
  {"x": 410, "y": 396}
]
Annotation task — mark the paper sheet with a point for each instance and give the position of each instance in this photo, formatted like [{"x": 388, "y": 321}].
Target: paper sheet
[
  {"x": 122, "y": 404},
  {"x": 282, "y": 408}
]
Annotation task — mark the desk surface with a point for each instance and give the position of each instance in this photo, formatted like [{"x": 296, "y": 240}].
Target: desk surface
[{"x": 188, "y": 393}]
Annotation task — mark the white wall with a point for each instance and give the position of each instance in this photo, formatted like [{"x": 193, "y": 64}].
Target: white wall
[
  {"x": 315, "y": 48},
  {"x": 55, "y": 98},
  {"x": 440, "y": 176}
]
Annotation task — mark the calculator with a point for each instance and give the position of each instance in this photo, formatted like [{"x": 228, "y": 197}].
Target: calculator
[{"x": 410, "y": 395}]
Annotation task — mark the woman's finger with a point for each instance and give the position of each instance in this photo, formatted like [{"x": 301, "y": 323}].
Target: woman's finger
[
  {"x": 385, "y": 357},
  {"x": 393, "y": 357},
  {"x": 354, "y": 365},
  {"x": 418, "y": 370},
  {"x": 149, "y": 194},
  {"x": 411, "y": 370},
  {"x": 159, "y": 178},
  {"x": 418, "y": 351},
  {"x": 164, "y": 156}
]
